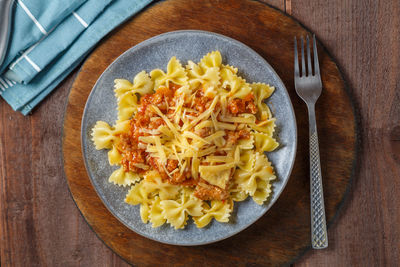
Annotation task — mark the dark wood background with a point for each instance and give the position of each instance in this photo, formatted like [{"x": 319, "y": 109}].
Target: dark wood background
[{"x": 363, "y": 36}]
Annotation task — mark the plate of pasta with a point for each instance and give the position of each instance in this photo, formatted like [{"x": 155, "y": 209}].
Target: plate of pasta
[{"x": 189, "y": 137}]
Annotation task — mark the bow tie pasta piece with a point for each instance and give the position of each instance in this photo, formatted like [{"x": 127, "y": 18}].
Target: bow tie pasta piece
[
  {"x": 121, "y": 87},
  {"x": 247, "y": 159},
  {"x": 236, "y": 193},
  {"x": 219, "y": 210},
  {"x": 218, "y": 175},
  {"x": 114, "y": 156},
  {"x": 121, "y": 127},
  {"x": 263, "y": 112},
  {"x": 153, "y": 183},
  {"x": 267, "y": 126},
  {"x": 230, "y": 80},
  {"x": 127, "y": 106},
  {"x": 243, "y": 91},
  {"x": 264, "y": 142},
  {"x": 142, "y": 84},
  {"x": 138, "y": 195},
  {"x": 103, "y": 135},
  {"x": 233, "y": 69},
  {"x": 176, "y": 211},
  {"x": 246, "y": 143},
  {"x": 237, "y": 86},
  {"x": 156, "y": 216},
  {"x": 209, "y": 78},
  {"x": 263, "y": 190},
  {"x": 175, "y": 73},
  {"x": 255, "y": 180},
  {"x": 123, "y": 178},
  {"x": 262, "y": 91},
  {"x": 211, "y": 60}
]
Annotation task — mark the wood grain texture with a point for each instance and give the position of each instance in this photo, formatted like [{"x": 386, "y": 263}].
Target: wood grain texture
[
  {"x": 40, "y": 225},
  {"x": 364, "y": 36},
  {"x": 279, "y": 4},
  {"x": 284, "y": 232}
]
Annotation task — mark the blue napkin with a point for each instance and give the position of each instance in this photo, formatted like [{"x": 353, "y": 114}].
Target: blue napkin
[
  {"x": 48, "y": 43},
  {"x": 33, "y": 20}
]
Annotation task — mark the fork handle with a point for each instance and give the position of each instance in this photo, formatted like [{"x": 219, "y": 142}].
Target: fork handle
[
  {"x": 5, "y": 24},
  {"x": 319, "y": 236}
]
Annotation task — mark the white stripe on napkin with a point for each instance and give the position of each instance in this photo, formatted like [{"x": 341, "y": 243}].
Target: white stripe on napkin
[
  {"x": 32, "y": 17},
  {"x": 80, "y": 20},
  {"x": 23, "y": 55},
  {"x": 4, "y": 83},
  {"x": 36, "y": 67},
  {"x": 9, "y": 82}
]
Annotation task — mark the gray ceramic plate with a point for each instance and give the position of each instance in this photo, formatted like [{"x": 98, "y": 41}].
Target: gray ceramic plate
[{"x": 155, "y": 53}]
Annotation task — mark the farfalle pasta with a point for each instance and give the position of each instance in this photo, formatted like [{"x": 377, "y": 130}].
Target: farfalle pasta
[{"x": 189, "y": 142}]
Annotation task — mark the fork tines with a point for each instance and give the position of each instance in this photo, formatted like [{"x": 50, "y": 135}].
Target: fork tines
[{"x": 305, "y": 72}]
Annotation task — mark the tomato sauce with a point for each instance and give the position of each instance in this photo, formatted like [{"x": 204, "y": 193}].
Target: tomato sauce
[
  {"x": 245, "y": 105},
  {"x": 233, "y": 136},
  {"x": 201, "y": 102},
  {"x": 206, "y": 191}
]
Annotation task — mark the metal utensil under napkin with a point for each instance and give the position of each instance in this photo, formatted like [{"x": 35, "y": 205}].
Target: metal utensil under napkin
[{"x": 6, "y": 7}]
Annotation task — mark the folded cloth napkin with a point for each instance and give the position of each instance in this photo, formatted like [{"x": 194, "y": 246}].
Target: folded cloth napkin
[{"x": 50, "y": 38}]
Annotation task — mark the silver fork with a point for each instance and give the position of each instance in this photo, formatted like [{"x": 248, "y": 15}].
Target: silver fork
[{"x": 309, "y": 87}]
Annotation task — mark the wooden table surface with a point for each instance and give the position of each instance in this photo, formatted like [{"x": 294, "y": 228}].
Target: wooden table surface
[{"x": 41, "y": 226}]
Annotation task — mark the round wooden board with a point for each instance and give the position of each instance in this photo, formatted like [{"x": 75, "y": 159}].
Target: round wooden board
[{"x": 281, "y": 235}]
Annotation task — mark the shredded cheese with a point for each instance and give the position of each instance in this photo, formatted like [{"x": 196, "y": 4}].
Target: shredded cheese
[
  {"x": 215, "y": 136},
  {"x": 236, "y": 158},
  {"x": 195, "y": 166},
  {"x": 167, "y": 121},
  {"x": 203, "y": 124},
  {"x": 216, "y": 168},
  {"x": 160, "y": 150},
  {"x": 174, "y": 171},
  {"x": 147, "y": 139},
  {"x": 202, "y": 116},
  {"x": 166, "y": 131},
  {"x": 183, "y": 166},
  {"x": 214, "y": 121},
  {"x": 166, "y": 171},
  {"x": 141, "y": 166},
  {"x": 244, "y": 118},
  {"x": 176, "y": 154},
  {"x": 207, "y": 151},
  {"x": 195, "y": 137},
  {"x": 226, "y": 126},
  {"x": 213, "y": 159}
]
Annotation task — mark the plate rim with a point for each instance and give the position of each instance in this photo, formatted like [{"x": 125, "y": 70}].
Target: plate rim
[{"x": 143, "y": 44}]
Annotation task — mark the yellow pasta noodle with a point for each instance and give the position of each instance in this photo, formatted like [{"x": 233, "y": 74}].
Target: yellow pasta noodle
[
  {"x": 156, "y": 215},
  {"x": 219, "y": 210},
  {"x": 127, "y": 105},
  {"x": 120, "y": 177},
  {"x": 175, "y": 73},
  {"x": 176, "y": 211}
]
